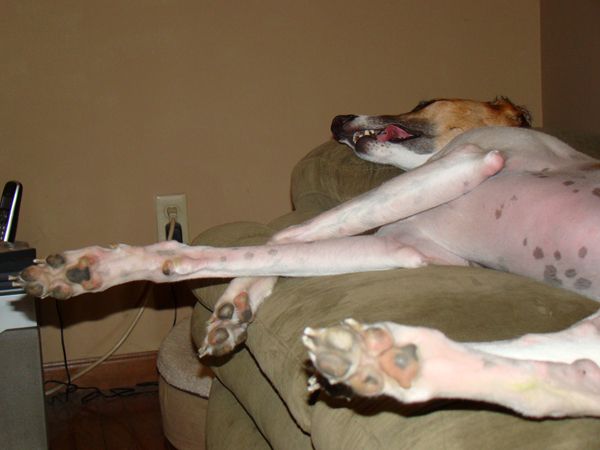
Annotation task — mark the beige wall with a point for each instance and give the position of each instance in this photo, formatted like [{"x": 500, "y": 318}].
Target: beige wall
[
  {"x": 570, "y": 42},
  {"x": 105, "y": 104}
]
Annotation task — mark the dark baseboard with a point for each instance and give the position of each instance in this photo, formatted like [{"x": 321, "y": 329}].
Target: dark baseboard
[{"x": 117, "y": 371}]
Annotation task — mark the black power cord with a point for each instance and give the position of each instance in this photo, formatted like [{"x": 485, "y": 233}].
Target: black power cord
[{"x": 70, "y": 387}]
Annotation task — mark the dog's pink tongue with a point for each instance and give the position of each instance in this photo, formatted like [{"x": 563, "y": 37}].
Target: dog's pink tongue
[{"x": 392, "y": 132}]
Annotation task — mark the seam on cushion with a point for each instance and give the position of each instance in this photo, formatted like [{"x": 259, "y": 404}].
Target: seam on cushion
[
  {"x": 241, "y": 404},
  {"x": 281, "y": 347},
  {"x": 264, "y": 374}
]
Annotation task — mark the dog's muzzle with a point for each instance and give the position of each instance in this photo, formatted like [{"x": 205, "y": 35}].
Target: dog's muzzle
[{"x": 338, "y": 124}]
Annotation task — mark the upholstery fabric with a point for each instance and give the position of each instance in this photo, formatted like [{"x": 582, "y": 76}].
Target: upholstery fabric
[
  {"x": 232, "y": 426},
  {"x": 269, "y": 374}
]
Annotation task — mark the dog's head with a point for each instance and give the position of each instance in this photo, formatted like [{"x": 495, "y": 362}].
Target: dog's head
[{"x": 410, "y": 139}]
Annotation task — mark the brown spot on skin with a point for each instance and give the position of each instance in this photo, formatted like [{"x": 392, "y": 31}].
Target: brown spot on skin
[
  {"x": 28, "y": 274},
  {"x": 332, "y": 364},
  {"x": 78, "y": 275},
  {"x": 167, "y": 267},
  {"x": 91, "y": 284},
  {"x": 538, "y": 253},
  {"x": 406, "y": 356},
  {"x": 525, "y": 242},
  {"x": 596, "y": 192},
  {"x": 273, "y": 252},
  {"x": 582, "y": 252},
  {"x": 377, "y": 340},
  {"x": 245, "y": 315},
  {"x": 248, "y": 255},
  {"x": 570, "y": 273},
  {"x": 591, "y": 167},
  {"x": 466, "y": 183},
  {"x": 35, "y": 290},
  {"x": 242, "y": 306},
  {"x": 575, "y": 191},
  {"x": 55, "y": 261},
  {"x": 223, "y": 258},
  {"x": 550, "y": 276},
  {"x": 514, "y": 198},
  {"x": 557, "y": 255},
  {"x": 225, "y": 311},
  {"x": 217, "y": 336},
  {"x": 401, "y": 364},
  {"x": 367, "y": 382},
  {"x": 568, "y": 183},
  {"x": 582, "y": 283},
  {"x": 60, "y": 292},
  {"x": 498, "y": 213}
]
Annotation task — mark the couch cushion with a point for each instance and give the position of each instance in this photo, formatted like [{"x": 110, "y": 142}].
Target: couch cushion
[
  {"x": 466, "y": 303},
  {"x": 454, "y": 426},
  {"x": 228, "y": 425},
  {"x": 331, "y": 174}
]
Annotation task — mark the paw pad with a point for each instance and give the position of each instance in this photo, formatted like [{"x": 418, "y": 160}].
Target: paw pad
[{"x": 56, "y": 261}]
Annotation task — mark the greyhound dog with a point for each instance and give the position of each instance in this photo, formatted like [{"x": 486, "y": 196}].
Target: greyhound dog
[{"x": 481, "y": 188}]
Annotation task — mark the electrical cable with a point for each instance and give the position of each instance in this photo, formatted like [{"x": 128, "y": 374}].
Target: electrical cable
[
  {"x": 172, "y": 223},
  {"x": 144, "y": 297},
  {"x": 96, "y": 392},
  {"x": 64, "y": 350},
  {"x": 115, "y": 347}
]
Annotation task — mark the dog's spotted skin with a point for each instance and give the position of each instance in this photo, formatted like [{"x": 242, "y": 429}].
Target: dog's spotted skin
[{"x": 480, "y": 190}]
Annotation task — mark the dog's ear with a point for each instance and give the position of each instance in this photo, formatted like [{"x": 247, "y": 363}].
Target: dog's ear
[{"x": 520, "y": 114}]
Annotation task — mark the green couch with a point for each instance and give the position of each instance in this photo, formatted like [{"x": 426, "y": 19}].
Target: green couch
[{"x": 259, "y": 398}]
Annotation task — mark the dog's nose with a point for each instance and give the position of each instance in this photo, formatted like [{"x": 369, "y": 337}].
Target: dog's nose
[{"x": 337, "y": 125}]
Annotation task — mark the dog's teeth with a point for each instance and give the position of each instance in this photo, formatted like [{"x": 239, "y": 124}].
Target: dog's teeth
[{"x": 357, "y": 135}]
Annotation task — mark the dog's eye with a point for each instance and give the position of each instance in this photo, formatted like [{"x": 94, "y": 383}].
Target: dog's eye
[{"x": 423, "y": 104}]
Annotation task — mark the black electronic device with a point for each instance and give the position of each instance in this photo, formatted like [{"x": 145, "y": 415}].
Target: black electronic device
[{"x": 9, "y": 210}]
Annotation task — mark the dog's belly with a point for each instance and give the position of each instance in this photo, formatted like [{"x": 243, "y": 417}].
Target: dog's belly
[{"x": 545, "y": 226}]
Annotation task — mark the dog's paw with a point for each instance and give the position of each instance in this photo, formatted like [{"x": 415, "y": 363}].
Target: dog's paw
[
  {"x": 227, "y": 326},
  {"x": 63, "y": 275},
  {"x": 365, "y": 357}
]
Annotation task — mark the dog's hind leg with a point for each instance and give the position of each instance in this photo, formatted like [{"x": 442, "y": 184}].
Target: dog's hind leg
[{"x": 414, "y": 364}]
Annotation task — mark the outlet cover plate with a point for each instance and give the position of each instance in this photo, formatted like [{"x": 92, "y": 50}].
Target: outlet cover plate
[{"x": 162, "y": 218}]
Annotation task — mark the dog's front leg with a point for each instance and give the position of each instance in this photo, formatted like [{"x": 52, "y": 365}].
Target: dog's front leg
[
  {"x": 415, "y": 364},
  {"x": 94, "y": 269},
  {"x": 454, "y": 174}
]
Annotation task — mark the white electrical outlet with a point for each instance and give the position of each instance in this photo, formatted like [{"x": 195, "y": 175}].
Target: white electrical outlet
[{"x": 177, "y": 201}]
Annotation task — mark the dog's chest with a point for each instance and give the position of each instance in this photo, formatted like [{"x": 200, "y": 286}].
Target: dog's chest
[{"x": 543, "y": 225}]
